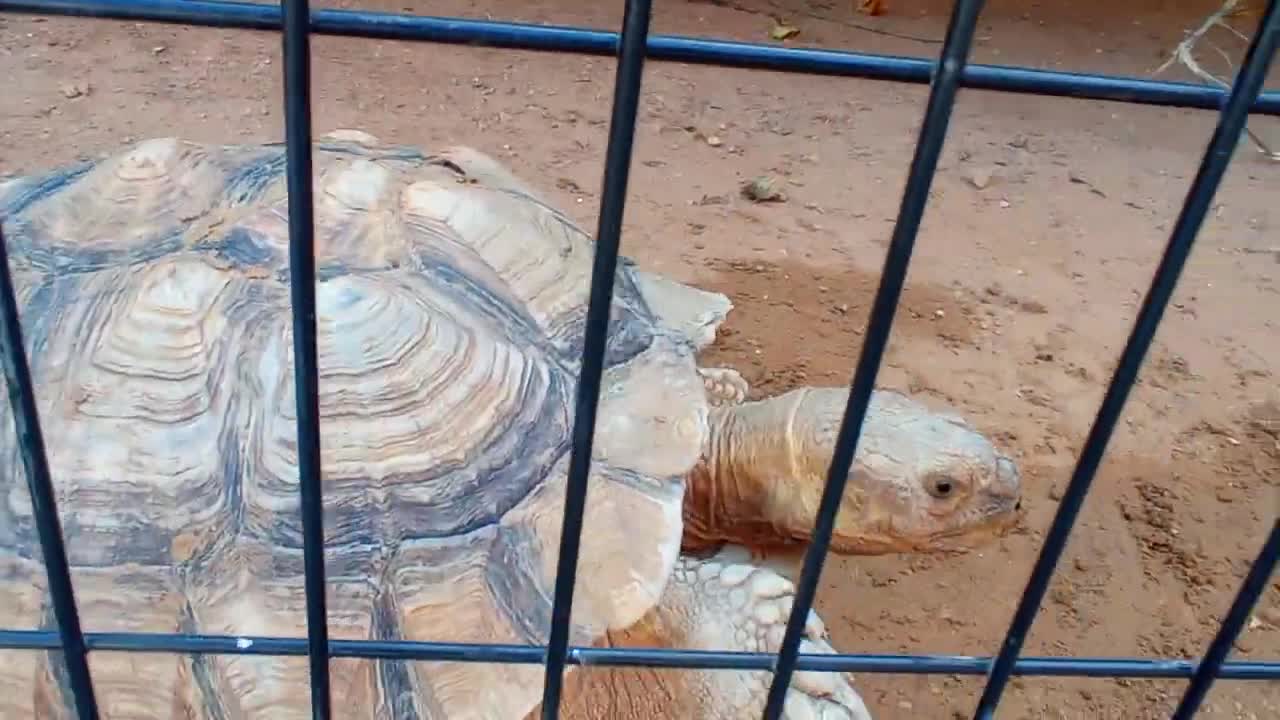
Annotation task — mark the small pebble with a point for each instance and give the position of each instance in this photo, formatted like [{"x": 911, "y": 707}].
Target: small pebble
[
  {"x": 74, "y": 90},
  {"x": 981, "y": 178}
]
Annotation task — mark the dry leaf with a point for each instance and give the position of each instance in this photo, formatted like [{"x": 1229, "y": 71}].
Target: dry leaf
[
  {"x": 871, "y": 7},
  {"x": 782, "y": 32}
]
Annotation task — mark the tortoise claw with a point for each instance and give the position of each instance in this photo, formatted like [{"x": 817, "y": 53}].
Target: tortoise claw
[{"x": 725, "y": 386}]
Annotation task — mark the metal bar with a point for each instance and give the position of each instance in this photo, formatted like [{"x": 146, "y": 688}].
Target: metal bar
[
  {"x": 302, "y": 289},
  {"x": 622, "y": 127},
  {"x": 675, "y": 48},
  {"x": 44, "y": 505},
  {"x": 1212, "y": 167},
  {"x": 639, "y": 657},
  {"x": 1250, "y": 590},
  {"x": 933, "y": 131}
]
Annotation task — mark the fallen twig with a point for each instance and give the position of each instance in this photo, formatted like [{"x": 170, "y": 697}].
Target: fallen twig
[{"x": 1184, "y": 53}]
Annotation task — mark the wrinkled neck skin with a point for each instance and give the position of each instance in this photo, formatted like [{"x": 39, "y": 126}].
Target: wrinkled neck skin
[{"x": 733, "y": 494}]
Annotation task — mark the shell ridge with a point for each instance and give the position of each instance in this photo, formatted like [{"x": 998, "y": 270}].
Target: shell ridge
[
  {"x": 27, "y": 191},
  {"x": 249, "y": 180}
]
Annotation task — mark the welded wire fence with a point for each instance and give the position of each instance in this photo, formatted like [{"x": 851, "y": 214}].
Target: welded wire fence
[{"x": 632, "y": 46}]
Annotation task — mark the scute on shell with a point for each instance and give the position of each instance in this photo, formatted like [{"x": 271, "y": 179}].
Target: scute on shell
[{"x": 153, "y": 291}]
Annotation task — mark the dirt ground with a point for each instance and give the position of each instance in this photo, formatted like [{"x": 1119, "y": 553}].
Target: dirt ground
[{"x": 1046, "y": 219}]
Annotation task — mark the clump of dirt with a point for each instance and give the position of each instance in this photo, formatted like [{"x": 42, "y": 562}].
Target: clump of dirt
[
  {"x": 1261, "y": 424},
  {"x": 1153, "y": 519}
]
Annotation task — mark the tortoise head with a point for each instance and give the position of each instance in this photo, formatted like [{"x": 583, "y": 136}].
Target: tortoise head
[{"x": 921, "y": 480}]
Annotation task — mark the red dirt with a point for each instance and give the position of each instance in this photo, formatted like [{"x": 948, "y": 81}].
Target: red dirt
[{"x": 1019, "y": 299}]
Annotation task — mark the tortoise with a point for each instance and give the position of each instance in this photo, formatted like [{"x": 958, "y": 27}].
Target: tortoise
[{"x": 153, "y": 291}]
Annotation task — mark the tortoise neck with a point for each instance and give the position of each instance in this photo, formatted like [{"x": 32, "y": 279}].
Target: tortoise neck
[{"x": 729, "y": 494}]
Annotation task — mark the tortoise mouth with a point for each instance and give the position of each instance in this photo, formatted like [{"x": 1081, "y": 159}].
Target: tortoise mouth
[
  {"x": 998, "y": 520},
  {"x": 995, "y": 523}
]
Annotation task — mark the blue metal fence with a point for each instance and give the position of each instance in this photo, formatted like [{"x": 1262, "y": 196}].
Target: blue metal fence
[{"x": 633, "y": 45}]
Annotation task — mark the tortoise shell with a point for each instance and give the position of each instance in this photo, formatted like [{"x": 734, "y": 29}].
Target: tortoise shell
[{"x": 450, "y": 306}]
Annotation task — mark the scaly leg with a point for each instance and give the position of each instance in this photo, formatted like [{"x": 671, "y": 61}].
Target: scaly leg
[{"x": 712, "y": 604}]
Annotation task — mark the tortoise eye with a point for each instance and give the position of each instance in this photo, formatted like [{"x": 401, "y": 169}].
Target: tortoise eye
[{"x": 941, "y": 487}]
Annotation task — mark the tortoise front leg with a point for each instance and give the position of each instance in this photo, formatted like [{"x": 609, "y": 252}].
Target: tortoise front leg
[{"x": 712, "y": 604}]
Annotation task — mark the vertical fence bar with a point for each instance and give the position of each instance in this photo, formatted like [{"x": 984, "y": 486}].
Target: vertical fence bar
[
  {"x": 1212, "y": 167},
  {"x": 622, "y": 127},
  {"x": 933, "y": 132},
  {"x": 26, "y": 425},
  {"x": 1250, "y": 590},
  {"x": 302, "y": 290}
]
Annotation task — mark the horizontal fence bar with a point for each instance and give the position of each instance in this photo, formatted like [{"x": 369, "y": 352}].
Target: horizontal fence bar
[
  {"x": 1156, "y": 668},
  {"x": 677, "y": 48},
  {"x": 1213, "y": 166},
  {"x": 915, "y": 195}
]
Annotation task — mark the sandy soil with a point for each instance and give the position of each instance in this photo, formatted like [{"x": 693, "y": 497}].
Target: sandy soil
[{"x": 1046, "y": 220}]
